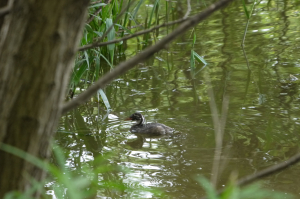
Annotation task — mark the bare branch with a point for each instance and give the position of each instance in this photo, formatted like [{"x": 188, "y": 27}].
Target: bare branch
[
  {"x": 266, "y": 172},
  {"x": 5, "y": 10},
  {"x": 96, "y": 13},
  {"x": 269, "y": 171},
  {"x": 125, "y": 66},
  {"x": 95, "y": 2},
  {"x": 93, "y": 15},
  {"x": 98, "y": 44},
  {"x": 108, "y": 30},
  {"x": 188, "y": 9}
]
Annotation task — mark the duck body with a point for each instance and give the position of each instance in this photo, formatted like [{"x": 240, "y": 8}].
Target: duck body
[{"x": 150, "y": 129}]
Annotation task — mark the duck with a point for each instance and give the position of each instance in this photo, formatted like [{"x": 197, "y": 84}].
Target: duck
[{"x": 150, "y": 128}]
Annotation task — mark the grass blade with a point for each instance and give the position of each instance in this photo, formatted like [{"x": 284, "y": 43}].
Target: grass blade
[
  {"x": 194, "y": 39},
  {"x": 152, "y": 12},
  {"x": 97, "y": 67},
  {"x": 126, "y": 17},
  {"x": 104, "y": 98},
  {"x": 97, "y": 5},
  {"x": 124, "y": 28},
  {"x": 110, "y": 37},
  {"x": 245, "y": 9},
  {"x": 192, "y": 65},
  {"x": 207, "y": 186},
  {"x": 106, "y": 60},
  {"x": 78, "y": 74},
  {"x": 87, "y": 59},
  {"x": 111, "y": 34},
  {"x": 136, "y": 9},
  {"x": 199, "y": 58},
  {"x": 23, "y": 155},
  {"x": 192, "y": 60}
]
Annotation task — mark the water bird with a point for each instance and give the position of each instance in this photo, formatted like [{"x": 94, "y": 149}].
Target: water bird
[{"x": 150, "y": 128}]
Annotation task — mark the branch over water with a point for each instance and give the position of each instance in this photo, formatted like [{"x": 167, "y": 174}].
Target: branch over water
[{"x": 125, "y": 66}]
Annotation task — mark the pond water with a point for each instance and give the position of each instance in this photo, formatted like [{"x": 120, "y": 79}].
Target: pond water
[{"x": 263, "y": 117}]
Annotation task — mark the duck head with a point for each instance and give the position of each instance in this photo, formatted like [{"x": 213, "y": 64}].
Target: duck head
[{"x": 136, "y": 117}]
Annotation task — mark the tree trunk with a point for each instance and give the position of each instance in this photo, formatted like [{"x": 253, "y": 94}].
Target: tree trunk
[
  {"x": 37, "y": 46},
  {"x": 3, "y": 3}
]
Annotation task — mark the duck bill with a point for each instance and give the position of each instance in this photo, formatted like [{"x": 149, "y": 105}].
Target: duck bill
[{"x": 129, "y": 118}]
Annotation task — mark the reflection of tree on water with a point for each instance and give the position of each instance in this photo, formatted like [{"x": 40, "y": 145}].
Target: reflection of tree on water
[
  {"x": 93, "y": 144},
  {"x": 84, "y": 149},
  {"x": 76, "y": 136}
]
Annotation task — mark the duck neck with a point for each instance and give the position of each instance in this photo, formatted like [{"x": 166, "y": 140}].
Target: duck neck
[{"x": 141, "y": 121}]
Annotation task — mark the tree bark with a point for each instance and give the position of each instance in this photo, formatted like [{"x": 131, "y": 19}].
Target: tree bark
[
  {"x": 3, "y": 4},
  {"x": 37, "y": 47}
]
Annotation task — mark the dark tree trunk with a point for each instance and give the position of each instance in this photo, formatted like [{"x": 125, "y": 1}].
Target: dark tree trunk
[
  {"x": 37, "y": 46},
  {"x": 3, "y": 3}
]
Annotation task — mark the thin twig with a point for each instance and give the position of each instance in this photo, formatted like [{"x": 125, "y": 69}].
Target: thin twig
[
  {"x": 219, "y": 126},
  {"x": 146, "y": 54},
  {"x": 97, "y": 12},
  {"x": 5, "y": 10},
  {"x": 269, "y": 171},
  {"x": 95, "y": 2},
  {"x": 110, "y": 28},
  {"x": 188, "y": 9},
  {"x": 265, "y": 172},
  {"x": 94, "y": 15},
  {"x": 98, "y": 44}
]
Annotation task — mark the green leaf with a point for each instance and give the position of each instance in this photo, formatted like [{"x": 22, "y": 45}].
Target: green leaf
[
  {"x": 111, "y": 34},
  {"x": 245, "y": 9},
  {"x": 104, "y": 98},
  {"x": 199, "y": 58},
  {"x": 208, "y": 188},
  {"x": 106, "y": 60},
  {"x": 26, "y": 156},
  {"x": 99, "y": 33},
  {"x": 255, "y": 191},
  {"x": 136, "y": 9},
  {"x": 77, "y": 74},
  {"x": 97, "y": 5},
  {"x": 127, "y": 30},
  {"x": 87, "y": 59},
  {"x": 192, "y": 64},
  {"x": 97, "y": 67},
  {"x": 192, "y": 60},
  {"x": 88, "y": 28},
  {"x": 152, "y": 12},
  {"x": 252, "y": 8}
]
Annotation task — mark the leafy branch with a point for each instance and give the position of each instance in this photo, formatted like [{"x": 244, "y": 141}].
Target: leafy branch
[
  {"x": 125, "y": 66},
  {"x": 98, "y": 44}
]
